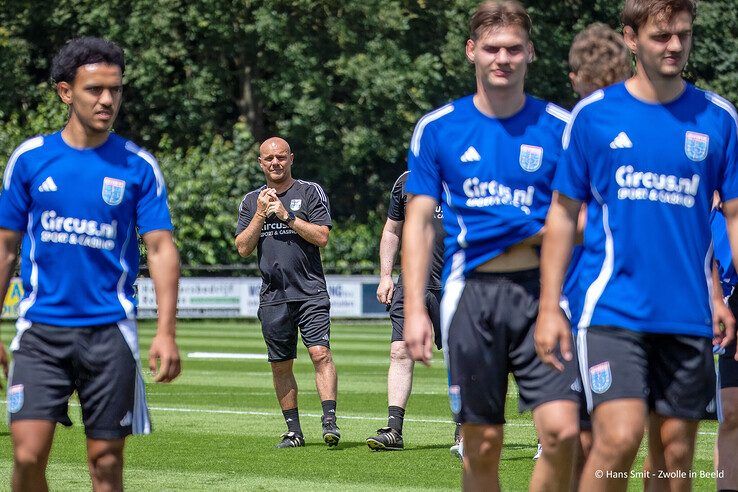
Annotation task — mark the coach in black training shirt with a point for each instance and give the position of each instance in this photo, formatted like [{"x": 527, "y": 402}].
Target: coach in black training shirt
[
  {"x": 400, "y": 375},
  {"x": 287, "y": 221}
]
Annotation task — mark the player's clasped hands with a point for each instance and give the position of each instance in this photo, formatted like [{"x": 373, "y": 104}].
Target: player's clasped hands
[
  {"x": 553, "y": 336},
  {"x": 270, "y": 205}
]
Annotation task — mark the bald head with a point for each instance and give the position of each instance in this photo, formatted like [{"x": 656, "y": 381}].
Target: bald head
[
  {"x": 274, "y": 145},
  {"x": 275, "y": 159}
]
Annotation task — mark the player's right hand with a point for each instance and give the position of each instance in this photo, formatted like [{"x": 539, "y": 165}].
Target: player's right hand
[
  {"x": 164, "y": 350},
  {"x": 418, "y": 334},
  {"x": 262, "y": 202},
  {"x": 3, "y": 363},
  {"x": 385, "y": 290},
  {"x": 553, "y": 337}
]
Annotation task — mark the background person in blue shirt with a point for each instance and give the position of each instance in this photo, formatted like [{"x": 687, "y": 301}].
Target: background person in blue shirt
[
  {"x": 489, "y": 159},
  {"x": 77, "y": 199},
  {"x": 645, "y": 156}
]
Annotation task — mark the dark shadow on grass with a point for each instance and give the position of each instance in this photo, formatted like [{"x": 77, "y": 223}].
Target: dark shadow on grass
[
  {"x": 5, "y": 434},
  {"x": 430, "y": 446}
]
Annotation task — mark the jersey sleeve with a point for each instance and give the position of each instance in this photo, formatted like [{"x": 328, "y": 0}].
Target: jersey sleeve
[
  {"x": 152, "y": 209},
  {"x": 396, "y": 209},
  {"x": 422, "y": 162},
  {"x": 245, "y": 213},
  {"x": 319, "y": 209},
  {"x": 572, "y": 173},
  {"x": 729, "y": 186},
  {"x": 15, "y": 198}
]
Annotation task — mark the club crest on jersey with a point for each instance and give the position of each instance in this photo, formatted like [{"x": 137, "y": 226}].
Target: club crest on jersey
[
  {"x": 531, "y": 157},
  {"x": 113, "y": 190},
  {"x": 696, "y": 145},
  {"x": 15, "y": 398},
  {"x": 600, "y": 377},
  {"x": 295, "y": 204}
]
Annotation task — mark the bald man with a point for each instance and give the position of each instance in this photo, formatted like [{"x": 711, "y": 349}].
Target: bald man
[{"x": 287, "y": 221}]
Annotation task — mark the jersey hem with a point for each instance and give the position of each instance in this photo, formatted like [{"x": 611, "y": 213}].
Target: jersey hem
[
  {"x": 320, "y": 295},
  {"x": 76, "y": 322},
  {"x": 658, "y": 328}
]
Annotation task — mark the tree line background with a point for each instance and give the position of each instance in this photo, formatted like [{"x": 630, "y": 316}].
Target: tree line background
[{"x": 344, "y": 81}]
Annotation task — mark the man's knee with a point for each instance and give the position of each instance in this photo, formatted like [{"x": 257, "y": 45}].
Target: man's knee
[
  {"x": 399, "y": 354},
  {"x": 320, "y": 355},
  {"x": 730, "y": 415},
  {"x": 679, "y": 453},
  {"x": 482, "y": 445},
  {"x": 106, "y": 463},
  {"x": 558, "y": 436},
  {"x": 618, "y": 440},
  {"x": 27, "y": 460},
  {"x": 282, "y": 368}
]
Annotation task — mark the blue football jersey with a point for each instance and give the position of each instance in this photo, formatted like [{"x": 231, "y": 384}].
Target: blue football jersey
[
  {"x": 80, "y": 211},
  {"x": 647, "y": 173},
  {"x": 492, "y": 176},
  {"x": 723, "y": 253}
]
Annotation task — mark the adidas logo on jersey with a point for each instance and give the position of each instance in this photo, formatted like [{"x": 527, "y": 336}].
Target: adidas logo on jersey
[
  {"x": 471, "y": 155},
  {"x": 48, "y": 185},
  {"x": 621, "y": 142}
]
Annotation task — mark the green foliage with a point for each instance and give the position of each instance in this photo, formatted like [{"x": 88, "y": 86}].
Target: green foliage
[{"x": 343, "y": 81}]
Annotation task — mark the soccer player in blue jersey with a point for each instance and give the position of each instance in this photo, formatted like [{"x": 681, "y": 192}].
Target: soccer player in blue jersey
[
  {"x": 645, "y": 156},
  {"x": 489, "y": 159},
  {"x": 75, "y": 202},
  {"x": 727, "y": 440}
]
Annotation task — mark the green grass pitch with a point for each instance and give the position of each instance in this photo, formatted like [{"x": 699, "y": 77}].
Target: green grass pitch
[{"x": 215, "y": 428}]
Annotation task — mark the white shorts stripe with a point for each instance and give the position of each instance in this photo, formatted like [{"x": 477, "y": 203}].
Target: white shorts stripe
[
  {"x": 452, "y": 290},
  {"x": 141, "y": 420},
  {"x": 584, "y": 367}
]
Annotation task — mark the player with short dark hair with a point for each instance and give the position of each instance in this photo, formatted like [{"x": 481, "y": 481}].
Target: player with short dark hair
[
  {"x": 489, "y": 159},
  {"x": 645, "y": 156},
  {"x": 727, "y": 440},
  {"x": 75, "y": 200},
  {"x": 400, "y": 375},
  {"x": 287, "y": 221}
]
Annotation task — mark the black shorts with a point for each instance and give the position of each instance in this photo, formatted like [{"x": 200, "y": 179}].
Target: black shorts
[
  {"x": 727, "y": 365},
  {"x": 280, "y": 322},
  {"x": 397, "y": 317},
  {"x": 99, "y": 362},
  {"x": 488, "y": 322},
  {"x": 674, "y": 374}
]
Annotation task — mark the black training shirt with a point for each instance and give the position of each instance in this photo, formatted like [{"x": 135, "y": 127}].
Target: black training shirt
[
  {"x": 290, "y": 266},
  {"x": 396, "y": 211}
]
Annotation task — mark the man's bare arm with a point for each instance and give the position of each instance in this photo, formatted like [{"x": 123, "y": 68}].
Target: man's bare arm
[
  {"x": 9, "y": 241},
  {"x": 730, "y": 211},
  {"x": 389, "y": 245},
  {"x": 552, "y": 330},
  {"x": 417, "y": 236},
  {"x": 313, "y": 233},
  {"x": 247, "y": 240},
  {"x": 163, "y": 260}
]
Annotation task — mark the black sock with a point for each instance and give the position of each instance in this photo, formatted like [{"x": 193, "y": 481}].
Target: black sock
[
  {"x": 292, "y": 419},
  {"x": 329, "y": 409},
  {"x": 396, "y": 416}
]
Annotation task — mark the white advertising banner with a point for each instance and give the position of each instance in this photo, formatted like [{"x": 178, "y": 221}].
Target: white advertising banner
[{"x": 239, "y": 297}]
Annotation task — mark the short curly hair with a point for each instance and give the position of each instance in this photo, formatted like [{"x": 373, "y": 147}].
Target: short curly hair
[
  {"x": 78, "y": 52},
  {"x": 599, "y": 56}
]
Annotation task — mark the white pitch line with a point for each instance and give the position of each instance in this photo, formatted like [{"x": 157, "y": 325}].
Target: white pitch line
[
  {"x": 346, "y": 417},
  {"x": 222, "y": 355}
]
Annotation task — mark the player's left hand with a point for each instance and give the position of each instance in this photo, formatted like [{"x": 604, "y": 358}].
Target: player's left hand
[
  {"x": 3, "y": 363},
  {"x": 165, "y": 350},
  {"x": 723, "y": 324},
  {"x": 276, "y": 208}
]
